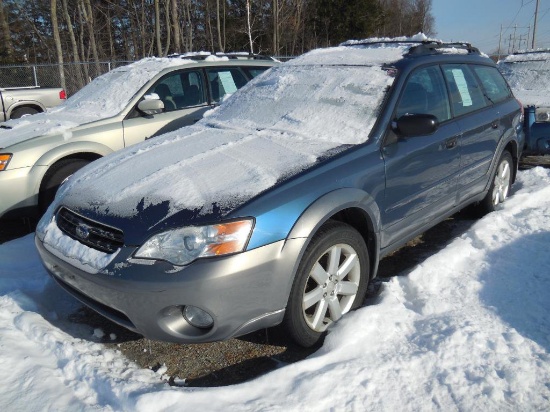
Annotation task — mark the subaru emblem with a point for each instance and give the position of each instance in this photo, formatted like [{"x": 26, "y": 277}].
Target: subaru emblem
[{"x": 82, "y": 231}]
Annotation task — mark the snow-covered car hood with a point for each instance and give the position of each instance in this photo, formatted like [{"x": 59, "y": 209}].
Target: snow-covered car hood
[
  {"x": 105, "y": 97},
  {"x": 271, "y": 129},
  {"x": 529, "y": 77}
]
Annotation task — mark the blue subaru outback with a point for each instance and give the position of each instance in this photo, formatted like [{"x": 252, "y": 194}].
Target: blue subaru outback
[{"x": 278, "y": 205}]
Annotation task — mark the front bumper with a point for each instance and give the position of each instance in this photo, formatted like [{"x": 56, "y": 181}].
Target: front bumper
[
  {"x": 244, "y": 292},
  {"x": 16, "y": 191}
]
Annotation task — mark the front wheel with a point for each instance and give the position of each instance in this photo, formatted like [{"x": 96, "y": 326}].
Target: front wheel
[
  {"x": 332, "y": 279},
  {"x": 54, "y": 177},
  {"x": 500, "y": 186}
]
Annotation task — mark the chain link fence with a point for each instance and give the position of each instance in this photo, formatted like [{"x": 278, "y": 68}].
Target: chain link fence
[{"x": 77, "y": 75}]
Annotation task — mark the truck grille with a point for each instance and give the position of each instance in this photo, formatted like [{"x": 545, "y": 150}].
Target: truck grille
[{"x": 91, "y": 233}]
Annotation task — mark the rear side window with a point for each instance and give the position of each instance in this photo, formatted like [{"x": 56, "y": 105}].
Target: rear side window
[
  {"x": 255, "y": 71},
  {"x": 224, "y": 81},
  {"x": 493, "y": 83},
  {"x": 466, "y": 94}
]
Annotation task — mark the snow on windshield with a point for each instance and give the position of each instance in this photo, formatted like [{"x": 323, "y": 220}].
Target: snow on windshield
[
  {"x": 275, "y": 126},
  {"x": 529, "y": 77},
  {"x": 106, "y": 96},
  {"x": 335, "y": 104}
]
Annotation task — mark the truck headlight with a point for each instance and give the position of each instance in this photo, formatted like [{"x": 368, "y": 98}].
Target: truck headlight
[
  {"x": 4, "y": 160},
  {"x": 183, "y": 246},
  {"x": 542, "y": 114}
]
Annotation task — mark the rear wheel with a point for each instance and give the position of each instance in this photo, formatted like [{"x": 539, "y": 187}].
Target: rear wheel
[
  {"x": 54, "y": 177},
  {"x": 23, "y": 111},
  {"x": 500, "y": 186},
  {"x": 332, "y": 279}
]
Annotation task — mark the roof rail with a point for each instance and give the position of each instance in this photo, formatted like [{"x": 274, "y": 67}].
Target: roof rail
[
  {"x": 431, "y": 47},
  {"x": 230, "y": 56},
  {"x": 531, "y": 51},
  {"x": 369, "y": 42},
  {"x": 419, "y": 47}
]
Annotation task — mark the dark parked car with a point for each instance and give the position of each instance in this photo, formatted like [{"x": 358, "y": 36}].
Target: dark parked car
[
  {"x": 528, "y": 73},
  {"x": 278, "y": 206}
]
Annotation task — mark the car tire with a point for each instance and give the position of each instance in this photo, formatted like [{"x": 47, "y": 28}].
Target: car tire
[
  {"x": 22, "y": 111},
  {"x": 57, "y": 173},
  {"x": 500, "y": 185},
  {"x": 320, "y": 295}
]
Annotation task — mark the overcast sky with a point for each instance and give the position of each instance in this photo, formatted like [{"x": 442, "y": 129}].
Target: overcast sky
[{"x": 479, "y": 22}]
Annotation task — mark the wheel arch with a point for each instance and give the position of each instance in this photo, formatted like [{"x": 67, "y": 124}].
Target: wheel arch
[
  {"x": 22, "y": 104},
  {"x": 512, "y": 147},
  {"x": 352, "y": 206},
  {"x": 77, "y": 151}
]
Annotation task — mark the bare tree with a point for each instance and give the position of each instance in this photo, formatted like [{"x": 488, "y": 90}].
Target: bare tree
[
  {"x": 57, "y": 40},
  {"x": 79, "y": 79},
  {"x": 218, "y": 26},
  {"x": 86, "y": 11},
  {"x": 7, "y": 47},
  {"x": 176, "y": 26},
  {"x": 249, "y": 26}
]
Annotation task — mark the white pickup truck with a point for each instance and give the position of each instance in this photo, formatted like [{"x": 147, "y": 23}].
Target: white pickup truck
[{"x": 22, "y": 101}]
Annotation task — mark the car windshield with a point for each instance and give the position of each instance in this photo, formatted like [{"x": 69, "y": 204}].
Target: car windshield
[
  {"x": 327, "y": 103},
  {"x": 529, "y": 77}
]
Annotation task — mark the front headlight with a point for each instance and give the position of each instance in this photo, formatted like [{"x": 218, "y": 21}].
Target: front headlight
[
  {"x": 183, "y": 246},
  {"x": 542, "y": 114},
  {"x": 4, "y": 160}
]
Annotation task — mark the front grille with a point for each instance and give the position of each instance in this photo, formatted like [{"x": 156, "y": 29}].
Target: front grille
[{"x": 91, "y": 233}]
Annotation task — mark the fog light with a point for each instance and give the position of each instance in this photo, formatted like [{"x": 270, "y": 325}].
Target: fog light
[{"x": 198, "y": 317}]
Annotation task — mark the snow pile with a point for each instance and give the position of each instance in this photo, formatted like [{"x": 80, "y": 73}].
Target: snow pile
[
  {"x": 529, "y": 77},
  {"x": 106, "y": 96},
  {"x": 467, "y": 329}
]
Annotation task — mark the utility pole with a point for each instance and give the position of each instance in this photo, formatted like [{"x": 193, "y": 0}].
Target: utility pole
[
  {"x": 535, "y": 24},
  {"x": 499, "y": 41}
]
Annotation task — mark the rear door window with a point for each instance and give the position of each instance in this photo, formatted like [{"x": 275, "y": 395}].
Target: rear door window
[
  {"x": 224, "y": 80},
  {"x": 496, "y": 89},
  {"x": 466, "y": 94},
  {"x": 255, "y": 71}
]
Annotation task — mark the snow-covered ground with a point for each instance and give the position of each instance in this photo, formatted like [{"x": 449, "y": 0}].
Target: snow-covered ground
[{"x": 468, "y": 329}]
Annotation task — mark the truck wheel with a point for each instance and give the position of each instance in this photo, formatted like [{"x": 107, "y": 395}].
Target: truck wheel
[
  {"x": 23, "y": 111},
  {"x": 332, "y": 279},
  {"x": 54, "y": 177}
]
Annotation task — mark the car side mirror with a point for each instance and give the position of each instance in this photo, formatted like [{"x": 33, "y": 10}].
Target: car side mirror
[
  {"x": 410, "y": 125},
  {"x": 151, "y": 106}
]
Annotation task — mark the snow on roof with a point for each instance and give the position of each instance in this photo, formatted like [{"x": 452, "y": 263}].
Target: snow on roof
[
  {"x": 106, "y": 96},
  {"x": 277, "y": 125},
  {"x": 529, "y": 76},
  {"x": 419, "y": 37}
]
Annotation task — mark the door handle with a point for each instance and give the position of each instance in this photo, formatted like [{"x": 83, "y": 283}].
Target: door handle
[{"x": 451, "y": 143}]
